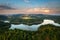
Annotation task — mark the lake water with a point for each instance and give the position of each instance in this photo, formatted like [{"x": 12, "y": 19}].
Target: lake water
[{"x": 33, "y": 27}]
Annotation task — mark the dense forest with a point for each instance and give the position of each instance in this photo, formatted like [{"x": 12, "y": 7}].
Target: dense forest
[{"x": 45, "y": 32}]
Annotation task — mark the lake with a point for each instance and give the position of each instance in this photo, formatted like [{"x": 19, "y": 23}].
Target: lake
[{"x": 33, "y": 27}]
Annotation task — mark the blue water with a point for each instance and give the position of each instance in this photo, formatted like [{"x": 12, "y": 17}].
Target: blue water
[{"x": 33, "y": 27}]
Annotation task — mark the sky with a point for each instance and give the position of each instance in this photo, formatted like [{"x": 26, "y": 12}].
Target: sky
[{"x": 29, "y": 6}]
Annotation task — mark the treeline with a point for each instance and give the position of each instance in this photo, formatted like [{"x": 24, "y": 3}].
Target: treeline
[{"x": 46, "y": 32}]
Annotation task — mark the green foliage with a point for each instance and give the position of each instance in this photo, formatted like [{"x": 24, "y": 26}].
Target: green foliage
[{"x": 46, "y": 32}]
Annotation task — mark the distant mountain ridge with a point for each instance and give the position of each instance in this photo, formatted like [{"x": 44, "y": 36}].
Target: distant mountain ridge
[
  {"x": 56, "y": 18},
  {"x": 3, "y": 17}
]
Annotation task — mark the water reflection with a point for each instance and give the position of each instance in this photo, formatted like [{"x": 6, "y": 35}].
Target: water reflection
[
  {"x": 33, "y": 27},
  {"x": 25, "y": 27}
]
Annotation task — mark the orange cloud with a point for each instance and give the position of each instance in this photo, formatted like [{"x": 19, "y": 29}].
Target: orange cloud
[
  {"x": 37, "y": 10},
  {"x": 29, "y": 11}
]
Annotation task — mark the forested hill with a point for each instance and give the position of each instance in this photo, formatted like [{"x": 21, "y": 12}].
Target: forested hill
[
  {"x": 45, "y": 32},
  {"x": 3, "y": 17}
]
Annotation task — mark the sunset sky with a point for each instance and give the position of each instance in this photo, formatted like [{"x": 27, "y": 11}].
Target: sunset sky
[{"x": 29, "y": 6}]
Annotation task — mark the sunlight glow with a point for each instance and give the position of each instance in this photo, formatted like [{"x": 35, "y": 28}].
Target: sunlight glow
[
  {"x": 46, "y": 11},
  {"x": 26, "y": 17}
]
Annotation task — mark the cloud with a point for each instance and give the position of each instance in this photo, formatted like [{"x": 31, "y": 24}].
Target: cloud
[
  {"x": 30, "y": 11},
  {"x": 3, "y": 7},
  {"x": 27, "y": 1},
  {"x": 37, "y": 10}
]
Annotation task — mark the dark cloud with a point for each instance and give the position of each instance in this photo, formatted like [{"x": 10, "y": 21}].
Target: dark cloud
[{"x": 2, "y": 7}]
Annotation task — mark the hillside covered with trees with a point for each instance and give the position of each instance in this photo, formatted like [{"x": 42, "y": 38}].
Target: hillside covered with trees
[{"x": 45, "y": 32}]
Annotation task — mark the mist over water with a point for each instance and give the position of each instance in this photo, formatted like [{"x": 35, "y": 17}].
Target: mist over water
[
  {"x": 25, "y": 27},
  {"x": 33, "y": 27},
  {"x": 46, "y": 21}
]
